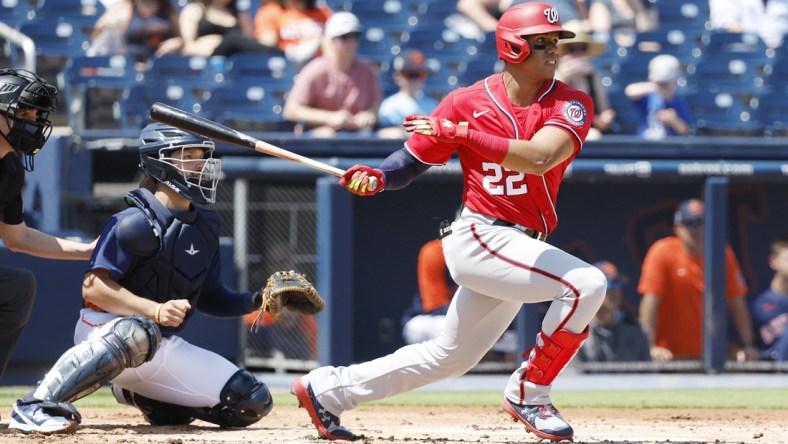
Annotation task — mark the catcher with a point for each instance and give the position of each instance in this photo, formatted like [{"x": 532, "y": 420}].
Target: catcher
[{"x": 155, "y": 263}]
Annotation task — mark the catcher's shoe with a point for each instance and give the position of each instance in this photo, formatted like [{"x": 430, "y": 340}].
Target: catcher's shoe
[
  {"x": 39, "y": 417},
  {"x": 542, "y": 420},
  {"x": 327, "y": 423}
]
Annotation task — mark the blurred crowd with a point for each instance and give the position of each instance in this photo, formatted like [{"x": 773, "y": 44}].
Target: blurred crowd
[{"x": 367, "y": 83}]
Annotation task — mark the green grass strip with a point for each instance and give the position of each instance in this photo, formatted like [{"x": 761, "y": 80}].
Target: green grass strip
[{"x": 635, "y": 399}]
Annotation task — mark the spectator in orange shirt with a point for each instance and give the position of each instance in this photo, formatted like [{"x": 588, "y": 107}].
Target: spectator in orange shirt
[
  {"x": 294, "y": 26},
  {"x": 671, "y": 284}
]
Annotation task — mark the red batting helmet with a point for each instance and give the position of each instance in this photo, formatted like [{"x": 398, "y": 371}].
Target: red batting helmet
[{"x": 522, "y": 20}]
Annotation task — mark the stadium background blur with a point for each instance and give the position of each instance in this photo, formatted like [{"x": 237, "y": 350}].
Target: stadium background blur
[{"x": 618, "y": 198}]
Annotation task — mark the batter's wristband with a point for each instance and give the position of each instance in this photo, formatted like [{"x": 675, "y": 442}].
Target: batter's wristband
[{"x": 490, "y": 147}]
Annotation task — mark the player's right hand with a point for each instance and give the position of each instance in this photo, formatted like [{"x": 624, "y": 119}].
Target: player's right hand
[
  {"x": 443, "y": 129},
  {"x": 173, "y": 312},
  {"x": 363, "y": 180}
]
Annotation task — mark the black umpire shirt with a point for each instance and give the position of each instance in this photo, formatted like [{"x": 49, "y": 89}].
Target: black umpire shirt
[{"x": 12, "y": 178}]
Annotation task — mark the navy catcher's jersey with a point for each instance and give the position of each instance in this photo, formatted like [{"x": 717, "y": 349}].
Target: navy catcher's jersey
[
  {"x": 180, "y": 263},
  {"x": 769, "y": 312}
]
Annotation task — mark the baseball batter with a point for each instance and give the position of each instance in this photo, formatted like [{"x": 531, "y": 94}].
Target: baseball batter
[
  {"x": 515, "y": 132},
  {"x": 155, "y": 263}
]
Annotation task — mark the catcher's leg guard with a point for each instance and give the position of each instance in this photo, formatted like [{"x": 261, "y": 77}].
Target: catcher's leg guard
[
  {"x": 155, "y": 412},
  {"x": 244, "y": 401},
  {"x": 547, "y": 361},
  {"x": 85, "y": 367}
]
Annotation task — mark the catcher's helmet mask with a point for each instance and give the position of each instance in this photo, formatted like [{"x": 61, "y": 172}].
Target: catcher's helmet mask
[
  {"x": 20, "y": 92},
  {"x": 194, "y": 179},
  {"x": 522, "y": 20}
]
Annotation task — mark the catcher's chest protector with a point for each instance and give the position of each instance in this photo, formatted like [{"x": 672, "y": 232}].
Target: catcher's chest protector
[{"x": 185, "y": 256}]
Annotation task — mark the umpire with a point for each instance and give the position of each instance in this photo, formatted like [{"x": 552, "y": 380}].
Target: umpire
[{"x": 25, "y": 103}]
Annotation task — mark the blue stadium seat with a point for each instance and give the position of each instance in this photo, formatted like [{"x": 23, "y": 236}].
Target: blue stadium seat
[
  {"x": 723, "y": 115},
  {"x": 440, "y": 42},
  {"x": 432, "y": 13},
  {"x": 736, "y": 73},
  {"x": 68, "y": 8},
  {"x": 773, "y": 112},
  {"x": 56, "y": 41},
  {"x": 381, "y": 40},
  {"x": 197, "y": 73},
  {"x": 133, "y": 108},
  {"x": 16, "y": 12},
  {"x": 382, "y": 11},
  {"x": 246, "y": 107},
  {"x": 92, "y": 86},
  {"x": 626, "y": 122},
  {"x": 249, "y": 67},
  {"x": 684, "y": 14},
  {"x": 674, "y": 41},
  {"x": 719, "y": 42}
]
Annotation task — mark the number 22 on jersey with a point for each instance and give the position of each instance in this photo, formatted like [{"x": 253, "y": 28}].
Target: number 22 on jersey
[{"x": 502, "y": 181}]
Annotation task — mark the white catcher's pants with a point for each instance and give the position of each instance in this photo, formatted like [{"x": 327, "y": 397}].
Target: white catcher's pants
[
  {"x": 179, "y": 373},
  {"x": 498, "y": 269}
]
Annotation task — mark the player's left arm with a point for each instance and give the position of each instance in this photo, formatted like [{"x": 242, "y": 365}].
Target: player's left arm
[
  {"x": 549, "y": 147},
  {"x": 216, "y": 299},
  {"x": 21, "y": 238}
]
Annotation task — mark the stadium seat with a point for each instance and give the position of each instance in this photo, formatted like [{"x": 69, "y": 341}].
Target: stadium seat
[
  {"x": 719, "y": 42},
  {"x": 736, "y": 73},
  {"x": 626, "y": 122},
  {"x": 385, "y": 11},
  {"x": 198, "y": 74},
  {"x": 683, "y": 14},
  {"x": 56, "y": 41},
  {"x": 723, "y": 115},
  {"x": 133, "y": 108},
  {"x": 250, "y": 67},
  {"x": 440, "y": 42},
  {"x": 672, "y": 41},
  {"x": 381, "y": 41},
  {"x": 92, "y": 85},
  {"x": 777, "y": 81},
  {"x": 16, "y": 12},
  {"x": 246, "y": 107},
  {"x": 772, "y": 110}
]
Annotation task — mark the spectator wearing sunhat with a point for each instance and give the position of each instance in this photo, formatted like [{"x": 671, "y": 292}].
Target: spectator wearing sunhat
[
  {"x": 576, "y": 68},
  {"x": 662, "y": 113},
  {"x": 410, "y": 72},
  {"x": 336, "y": 92}
]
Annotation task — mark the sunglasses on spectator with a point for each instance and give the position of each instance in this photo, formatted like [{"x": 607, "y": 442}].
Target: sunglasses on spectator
[
  {"x": 414, "y": 75},
  {"x": 350, "y": 36},
  {"x": 576, "y": 48}
]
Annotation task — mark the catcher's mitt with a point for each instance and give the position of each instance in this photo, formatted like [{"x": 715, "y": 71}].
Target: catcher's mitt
[{"x": 292, "y": 290}]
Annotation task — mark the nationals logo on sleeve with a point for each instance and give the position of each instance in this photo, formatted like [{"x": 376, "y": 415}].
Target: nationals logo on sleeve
[{"x": 574, "y": 113}]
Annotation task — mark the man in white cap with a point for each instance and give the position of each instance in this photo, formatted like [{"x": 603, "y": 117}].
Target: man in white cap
[
  {"x": 336, "y": 91},
  {"x": 662, "y": 113}
]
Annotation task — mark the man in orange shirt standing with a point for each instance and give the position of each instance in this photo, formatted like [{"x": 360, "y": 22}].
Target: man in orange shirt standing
[{"x": 671, "y": 284}]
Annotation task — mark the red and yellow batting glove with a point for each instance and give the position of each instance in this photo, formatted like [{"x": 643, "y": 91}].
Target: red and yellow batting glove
[
  {"x": 443, "y": 129},
  {"x": 363, "y": 180}
]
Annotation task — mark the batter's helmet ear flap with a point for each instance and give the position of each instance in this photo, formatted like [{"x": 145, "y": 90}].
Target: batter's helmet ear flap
[{"x": 522, "y": 20}]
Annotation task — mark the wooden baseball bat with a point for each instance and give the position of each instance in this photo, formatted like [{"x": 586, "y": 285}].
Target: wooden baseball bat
[{"x": 179, "y": 118}]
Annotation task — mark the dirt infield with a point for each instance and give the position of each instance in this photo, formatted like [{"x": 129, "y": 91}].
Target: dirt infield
[{"x": 383, "y": 424}]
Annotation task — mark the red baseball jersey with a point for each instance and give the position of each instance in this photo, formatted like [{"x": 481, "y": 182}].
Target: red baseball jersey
[{"x": 489, "y": 188}]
